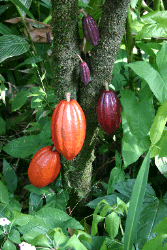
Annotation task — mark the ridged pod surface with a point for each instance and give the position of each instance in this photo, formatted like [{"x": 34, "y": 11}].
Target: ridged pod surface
[
  {"x": 90, "y": 30},
  {"x": 85, "y": 72},
  {"x": 44, "y": 167},
  {"x": 109, "y": 112},
  {"x": 68, "y": 128}
]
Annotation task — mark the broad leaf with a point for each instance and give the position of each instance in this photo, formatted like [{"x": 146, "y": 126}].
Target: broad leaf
[
  {"x": 11, "y": 45},
  {"x": 132, "y": 149},
  {"x": 139, "y": 117},
  {"x": 22, "y": 147},
  {"x": 152, "y": 77},
  {"x": 158, "y": 124},
  {"x": 19, "y": 100},
  {"x": 155, "y": 25}
]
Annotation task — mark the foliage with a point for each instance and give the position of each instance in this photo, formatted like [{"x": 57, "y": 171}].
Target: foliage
[{"x": 128, "y": 211}]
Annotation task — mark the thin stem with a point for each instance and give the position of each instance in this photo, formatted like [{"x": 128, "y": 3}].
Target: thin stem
[
  {"x": 68, "y": 97},
  {"x": 80, "y": 58},
  {"x": 83, "y": 12},
  {"x": 24, "y": 23},
  {"x": 47, "y": 19},
  {"x": 105, "y": 83},
  {"x": 53, "y": 149}
]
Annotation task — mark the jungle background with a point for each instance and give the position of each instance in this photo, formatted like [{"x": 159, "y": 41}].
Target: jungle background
[{"x": 112, "y": 195}]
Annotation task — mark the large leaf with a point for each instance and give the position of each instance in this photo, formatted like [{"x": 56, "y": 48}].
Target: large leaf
[
  {"x": 22, "y": 147},
  {"x": 158, "y": 124},
  {"x": 152, "y": 77},
  {"x": 136, "y": 203},
  {"x": 19, "y": 100},
  {"x": 139, "y": 117},
  {"x": 132, "y": 149},
  {"x": 155, "y": 25},
  {"x": 11, "y": 45}
]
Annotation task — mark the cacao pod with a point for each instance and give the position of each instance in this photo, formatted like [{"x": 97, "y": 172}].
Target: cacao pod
[
  {"x": 85, "y": 72},
  {"x": 44, "y": 167},
  {"x": 90, "y": 30},
  {"x": 109, "y": 112},
  {"x": 68, "y": 128}
]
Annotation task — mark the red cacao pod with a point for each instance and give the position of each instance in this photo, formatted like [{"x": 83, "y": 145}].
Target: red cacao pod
[
  {"x": 68, "y": 128},
  {"x": 109, "y": 112},
  {"x": 90, "y": 30},
  {"x": 44, "y": 167}
]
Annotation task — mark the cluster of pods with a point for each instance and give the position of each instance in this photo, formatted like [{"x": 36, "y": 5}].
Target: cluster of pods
[{"x": 68, "y": 124}]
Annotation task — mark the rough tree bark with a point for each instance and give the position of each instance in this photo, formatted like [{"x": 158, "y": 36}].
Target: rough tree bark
[{"x": 65, "y": 63}]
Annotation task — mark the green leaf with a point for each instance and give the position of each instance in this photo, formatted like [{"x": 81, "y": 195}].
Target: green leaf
[
  {"x": 161, "y": 165},
  {"x": 132, "y": 149},
  {"x": 2, "y": 126},
  {"x": 8, "y": 245},
  {"x": 139, "y": 117},
  {"x": 136, "y": 203},
  {"x": 155, "y": 25},
  {"x": 22, "y": 7},
  {"x": 161, "y": 61},
  {"x": 11, "y": 45},
  {"x": 27, "y": 4},
  {"x": 158, "y": 124},
  {"x": 22, "y": 147},
  {"x": 161, "y": 228},
  {"x": 155, "y": 243},
  {"x": 14, "y": 236},
  {"x": 4, "y": 195},
  {"x": 152, "y": 77},
  {"x": 31, "y": 60},
  {"x": 4, "y": 30},
  {"x": 116, "y": 175},
  {"x": 118, "y": 160},
  {"x": 96, "y": 219},
  {"x": 59, "y": 238},
  {"x": 112, "y": 224},
  {"x": 19, "y": 100},
  {"x": 103, "y": 148},
  {"x": 75, "y": 243},
  {"x": 10, "y": 176},
  {"x": 146, "y": 48}
]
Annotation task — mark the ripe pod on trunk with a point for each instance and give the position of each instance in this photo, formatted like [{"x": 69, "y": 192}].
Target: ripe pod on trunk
[
  {"x": 44, "y": 167},
  {"x": 85, "y": 72},
  {"x": 109, "y": 112},
  {"x": 68, "y": 128}
]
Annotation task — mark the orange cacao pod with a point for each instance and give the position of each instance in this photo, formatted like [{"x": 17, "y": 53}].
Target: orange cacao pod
[
  {"x": 44, "y": 167},
  {"x": 68, "y": 128}
]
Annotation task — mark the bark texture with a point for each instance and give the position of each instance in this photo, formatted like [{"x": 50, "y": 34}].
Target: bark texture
[{"x": 65, "y": 62}]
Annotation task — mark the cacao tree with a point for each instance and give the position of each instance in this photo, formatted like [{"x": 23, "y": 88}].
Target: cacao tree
[{"x": 66, "y": 48}]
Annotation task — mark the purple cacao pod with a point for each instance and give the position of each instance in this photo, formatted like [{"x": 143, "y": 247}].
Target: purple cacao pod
[
  {"x": 109, "y": 112},
  {"x": 85, "y": 72},
  {"x": 90, "y": 30}
]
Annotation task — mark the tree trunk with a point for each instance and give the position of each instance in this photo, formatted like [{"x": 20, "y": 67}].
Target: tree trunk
[{"x": 66, "y": 75}]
